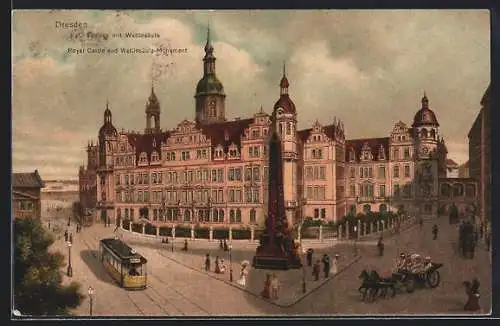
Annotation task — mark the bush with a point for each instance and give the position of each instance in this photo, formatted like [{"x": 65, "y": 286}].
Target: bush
[
  {"x": 202, "y": 233},
  {"x": 165, "y": 231},
  {"x": 150, "y": 229},
  {"x": 221, "y": 234},
  {"x": 241, "y": 234},
  {"x": 182, "y": 232},
  {"x": 136, "y": 227}
]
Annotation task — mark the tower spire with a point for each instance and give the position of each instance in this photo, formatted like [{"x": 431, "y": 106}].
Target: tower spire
[
  {"x": 284, "y": 68},
  {"x": 208, "y": 46},
  {"x": 284, "y": 82},
  {"x": 425, "y": 101}
]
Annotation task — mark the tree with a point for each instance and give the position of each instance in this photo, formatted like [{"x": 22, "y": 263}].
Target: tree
[{"x": 38, "y": 288}]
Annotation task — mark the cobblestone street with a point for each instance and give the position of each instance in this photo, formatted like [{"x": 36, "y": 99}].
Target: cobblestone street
[{"x": 178, "y": 284}]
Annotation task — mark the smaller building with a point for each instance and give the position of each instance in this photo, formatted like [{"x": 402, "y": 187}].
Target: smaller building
[
  {"x": 26, "y": 191},
  {"x": 463, "y": 170},
  {"x": 451, "y": 168}
]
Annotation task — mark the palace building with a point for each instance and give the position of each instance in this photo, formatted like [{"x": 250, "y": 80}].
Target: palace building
[{"x": 214, "y": 170}]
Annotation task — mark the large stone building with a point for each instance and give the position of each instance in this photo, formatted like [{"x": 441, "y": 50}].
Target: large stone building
[
  {"x": 480, "y": 155},
  {"x": 213, "y": 170},
  {"x": 26, "y": 188}
]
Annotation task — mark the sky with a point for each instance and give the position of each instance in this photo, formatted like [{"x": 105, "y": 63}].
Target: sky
[{"x": 368, "y": 68}]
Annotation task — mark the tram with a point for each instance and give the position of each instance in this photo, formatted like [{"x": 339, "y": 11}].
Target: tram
[{"x": 124, "y": 264}]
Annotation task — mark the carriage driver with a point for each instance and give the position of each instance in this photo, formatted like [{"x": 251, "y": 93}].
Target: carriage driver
[
  {"x": 416, "y": 263},
  {"x": 402, "y": 263},
  {"x": 427, "y": 263}
]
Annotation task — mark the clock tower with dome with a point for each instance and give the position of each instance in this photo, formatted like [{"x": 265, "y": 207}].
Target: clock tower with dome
[
  {"x": 427, "y": 154},
  {"x": 210, "y": 96}
]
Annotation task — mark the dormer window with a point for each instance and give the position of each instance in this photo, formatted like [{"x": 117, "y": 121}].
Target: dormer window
[
  {"x": 352, "y": 156},
  {"x": 255, "y": 133},
  {"x": 143, "y": 158},
  {"x": 155, "y": 157},
  {"x": 233, "y": 151},
  {"x": 381, "y": 153},
  {"x": 219, "y": 152},
  {"x": 366, "y": 152}
]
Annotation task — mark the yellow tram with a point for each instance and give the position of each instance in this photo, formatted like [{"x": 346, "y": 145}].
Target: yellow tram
[{"x": 123, "y": 263}]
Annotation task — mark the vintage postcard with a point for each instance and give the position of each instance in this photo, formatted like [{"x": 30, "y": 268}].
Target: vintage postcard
[{"x": 251, "y": 163}]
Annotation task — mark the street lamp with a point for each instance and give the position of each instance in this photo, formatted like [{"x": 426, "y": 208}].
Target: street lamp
[
  {"x": 69, "y": 272},
  {"x": 230, "y": 247},
  {"x": 303, "y": 269},
  {"x": 91, "y": 299}
]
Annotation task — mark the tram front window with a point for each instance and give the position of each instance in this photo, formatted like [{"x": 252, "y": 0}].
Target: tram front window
[{"x": 135, "y": 270}]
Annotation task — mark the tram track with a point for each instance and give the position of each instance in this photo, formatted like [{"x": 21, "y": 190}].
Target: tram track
[{"x": 184, "y": 297}]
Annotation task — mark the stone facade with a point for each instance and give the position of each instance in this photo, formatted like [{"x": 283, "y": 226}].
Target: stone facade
[
  {"x": 212, "y": 170},
  {"x": 480, "y": 155}
]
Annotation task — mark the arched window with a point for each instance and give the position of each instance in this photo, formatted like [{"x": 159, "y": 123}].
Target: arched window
[
  {"x": 238, "y": 215},
  {"x": 382, "y": 208},
  {"x": 187, "y": 215},
  {"x": 231, "y": 216},
  {"x": 200, "y": 215},
  {"x": 118, "y": 213},
  {"x": 458, "y": 190},
  {"x": 433, "y": 134},
  {"x": 366, "y": 208},
  {"x": 215, "y": 215},
  {"x": 289, "y": 128},
  {"x": 424, "y": 133},
  {"x": 395, "y": 173},
  {"x": 253, "y": 217},
  {"x": 221, "y": 215},
  {"x": 352, "y": 210}
]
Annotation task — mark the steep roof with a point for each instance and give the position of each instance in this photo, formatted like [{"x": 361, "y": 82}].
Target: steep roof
[
  {"x": 330, "y": 131},
  {"x": 373, "y": 143},
  {"x": 225, "y": 133},
  {"x": 27, "y": 180},
  {"x": 145, "y": 142}
]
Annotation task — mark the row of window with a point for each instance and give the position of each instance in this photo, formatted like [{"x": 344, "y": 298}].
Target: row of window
[
  {"x": 367, "y": 172},
  {"x": 367, "y": 190},
  {"x": 24, "y": 205},
  {"x": 252, "y": 173},
  {"x": 396, "y": 154},
  {"x": 202, "y": 215},
  {"x": 315, "y": 173},
  {"x": 234, "y": 195},
  {"x": 316, "y": 193}
]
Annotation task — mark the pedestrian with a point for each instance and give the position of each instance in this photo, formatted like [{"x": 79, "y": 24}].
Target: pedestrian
[
  {"x": 71, "y": 238},
  {"x": 243, "y": 276},
  {"x": 49, "y": 225},
  {"x": 421, "y": 222},
  {"x": 472, "y": 291},
  {"x": 222, "y": 267},
  {"x": 435, "y": 231},
  {"x": 380, "y": 246},
  {"x": 266, "y": 292},
  {"x": 207, "y": 262},
  {"x": 166, "y": 240},
  {"x": 66, "y": 236},
  {"x": 315, "y": 271},
  {"x": 275, "y": 287},
  {"x": 221, "y": 245},
  {"x": 217, "y": 266},
  {"x": 226, "y": 248},
  {"x": 309, "y": 256},
  {"x": 116, "y": 228},
  {"x": 481, "y": 231},
  {"x": 334, "y": 269},
  {"x": 326, "y": 265},
  {"x": 185, "y": 245}
]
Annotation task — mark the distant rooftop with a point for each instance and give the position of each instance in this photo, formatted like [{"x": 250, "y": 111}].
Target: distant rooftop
[{"x": 27, "y": 180}]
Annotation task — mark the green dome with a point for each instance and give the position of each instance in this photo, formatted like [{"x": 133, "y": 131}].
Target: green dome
[{"x": 210, "y": 84}]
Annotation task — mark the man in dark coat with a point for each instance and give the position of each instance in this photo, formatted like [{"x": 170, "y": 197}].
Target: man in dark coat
[
  {"x": 315, "y": 270},
  {"x": 380, "y": 246},
  {"x": 66, "y": 235},
  {"x": 435, "y": 231},
  {"x": 309, "y": 256},
  {"x": 326, "y": 265},
  {"x": 207, "y": 262}
]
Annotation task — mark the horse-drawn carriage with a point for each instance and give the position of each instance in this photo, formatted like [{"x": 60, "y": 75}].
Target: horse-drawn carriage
[{"x": 411, "y": 271}]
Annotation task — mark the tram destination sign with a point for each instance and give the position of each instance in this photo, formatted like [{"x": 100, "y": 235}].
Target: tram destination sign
[{"x": 135, "y": 260}]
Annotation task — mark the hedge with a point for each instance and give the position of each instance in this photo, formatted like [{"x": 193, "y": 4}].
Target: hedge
[
  {"x": 241, "y": 234},
  {"x": 137, "y": 227},
  {"x": 166, "y": 231},
  {"x": 221, "y": 233},
  {"x": 202, "y": 233},
  {"x": 150, "y": 229},
  {"x": 182, "y": 232}
]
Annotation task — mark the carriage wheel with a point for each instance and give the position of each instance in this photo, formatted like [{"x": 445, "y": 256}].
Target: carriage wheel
[
  {"x": 410, "y": 285},
  {"x": 433, "y": 279}
]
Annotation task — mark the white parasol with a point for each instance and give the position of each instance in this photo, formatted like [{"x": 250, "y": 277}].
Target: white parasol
[{"x": 245, "y": 263}]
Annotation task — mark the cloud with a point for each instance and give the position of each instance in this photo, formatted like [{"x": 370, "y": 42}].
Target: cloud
[{"x": 368, "y": 68}]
